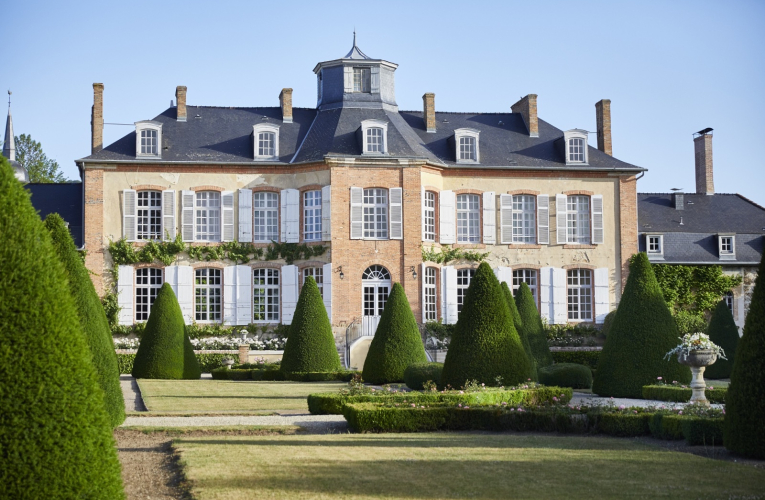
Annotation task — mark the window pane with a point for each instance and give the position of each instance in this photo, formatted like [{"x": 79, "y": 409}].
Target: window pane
[
  {"x": 524, "y": 219},
  {"x": 375, "y": 208},
  {"x": 265, "y": 216},
  {"x": 312, "y": 215},
  {"x": 464, "y": 276},
  {"x": 265, "y": 294},
  {"x": 149, "y": 220},
  {"x": 579, "y": 291},
  {"x": 148, "y": 281},
  {"x": 207, "y": 216},
  {"x": 468, "y": 218},
  {"x": 430, "y": 294},
  {"x": 430, "y": 216},
  {"x": 528, "y": 276},
  {"x": 576, "y": 150},
  {"x": 467, "y": 148},
  {"x": 375, "y": 140},
  {"x": 266, "y": 144},
  {"x": 578, "y": 219},
  {"x": 207, "y": 295}
]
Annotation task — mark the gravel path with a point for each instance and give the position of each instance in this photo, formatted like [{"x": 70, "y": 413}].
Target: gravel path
[
  {"x": 314, "y": 424},
  {"x": 131, "y": 393},
  {"x": 586, "y": 399}
]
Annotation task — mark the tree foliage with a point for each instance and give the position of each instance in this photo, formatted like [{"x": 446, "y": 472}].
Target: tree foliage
[
  {"x": 532, "y": 326},
  {"x": 30, "y": 155},
  {"x": 723, "y": 332},
  {"x": 518, "y": 323},
  {"x": 694, "y": 289}
]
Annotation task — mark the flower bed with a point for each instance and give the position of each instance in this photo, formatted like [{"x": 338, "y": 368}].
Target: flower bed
[
  {"x": 682, "y": 393},
  {"x": 207, "y": 362},
  {"x": 214, "y": 344}
]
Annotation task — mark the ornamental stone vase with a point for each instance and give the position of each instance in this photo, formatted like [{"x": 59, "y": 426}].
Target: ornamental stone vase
[{"x": 698, "y": 361}]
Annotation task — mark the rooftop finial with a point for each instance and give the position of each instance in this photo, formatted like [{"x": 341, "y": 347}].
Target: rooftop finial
[
  {"x": 354, "y": 36},
  {"x": 9, "y": 95},
  {"x": 355, "y": 52}
]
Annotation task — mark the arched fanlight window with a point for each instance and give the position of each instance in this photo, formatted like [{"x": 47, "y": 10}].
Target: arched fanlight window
[{"x": 376, "y": 273}]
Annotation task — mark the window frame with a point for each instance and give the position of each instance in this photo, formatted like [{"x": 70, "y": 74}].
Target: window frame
[
  {"x": 153, "y": 216},
  {"x": 568, "y": 137},
  {"x": 581, "y": 305},
  {"x": 467, "y": 133},
  {"x": 430, "y": 292},
  {"x": 265, "y": 128},
  {"x": 726, "y": 240},
  {"x": 366, "y": 125},
  {"x": 364, "y": 79},
  {"x": 265, "y": 236},
  {"x": 152, "y": 287},
  {"x": 430, "y": 213},
  {"x": 463, "y": 287},
  {"x": 576, "y": 233},
  {"x": 729, "y": 300},
  {"x": 468, "y": 220},
  {"x": 146, "y": 126},
  {"x": 269, "y": 300},
  {"x": 209, "y": 220},
  {"x": 375, "y": 207},
  {"x": 208, "y": 287},
  {"x": 525, "y": 239},
  {"x": 659, "y": 252},
  {"x": 315, "y": 215},
  {"x": 528, "y": 274}
]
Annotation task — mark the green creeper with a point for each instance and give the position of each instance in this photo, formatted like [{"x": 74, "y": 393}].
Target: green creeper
[
  {"x": 165, "y": 351},
  {"x": 518, "y": 323},
  {"x": 745, "y": 401},
  {"x": 642, "y": 332},
  {"x": 397, "y": 342},
  {"x": 93, "y": 321},
  {"x": 485, "y": 345},
  {"x": 723, "y": 332},
  {"x": 55, "y": 434},
  {"x": 532, "y": 326},
  {"x": 310, "y": 344}
]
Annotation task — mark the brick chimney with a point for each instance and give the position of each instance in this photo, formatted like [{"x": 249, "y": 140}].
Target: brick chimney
[
  {"x": 603, "y": 119},
  {"x": 97, "y": 119},
  {"x": 285, "y": 100},
  {"x": 527, "y": 107},
  {"x": 180, "y": 101},
  {"x": 429, "y": 111},
  {"x": 702, "y": 145},
  {"x": 679, "y": 199}
]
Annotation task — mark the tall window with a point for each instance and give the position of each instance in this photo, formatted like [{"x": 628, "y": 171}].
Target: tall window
[
  {"x": 148, "y": 281},
  {"x": 149, "y": 142},
  {"x": 467, "y": 148},
  {"x": 265, "y": 295},
  {"x": 528, "y": 276},
  {"x": 375, "y": 213},
  {"x": 464, "y": 276},
  {"x": 361, "y": 80},
  {"x": 375, "y": 140},
  {"x": 430, "y": 216},
  {"x": 149, "y": 222},
  {"x": 317, "y": 273},
  {"x": 430, "y": 294},
  {"x": 265, "y": 217},
  {"x": 728, "y": 298},
  {"x": 208, "y": 216},
  {"x": 524, "y": 219},
  {"x": 580, "y": 294},
  {"x": 312, "y": 215},
  {"x": 578, "y": 219},
  {"x": 266, "y": 144},
  {"x": 207, "y": 292},
  {"x": 468, "y": 218},
  {"x": 576, "y": 150}
]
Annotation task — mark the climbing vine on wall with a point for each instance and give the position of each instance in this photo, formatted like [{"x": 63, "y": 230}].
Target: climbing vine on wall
[
  {"x": 449, "y": 254},
  {"x": 693, "y": 290}
]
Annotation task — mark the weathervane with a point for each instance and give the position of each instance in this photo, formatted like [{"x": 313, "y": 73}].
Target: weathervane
[{"x": 9, "y": 98}]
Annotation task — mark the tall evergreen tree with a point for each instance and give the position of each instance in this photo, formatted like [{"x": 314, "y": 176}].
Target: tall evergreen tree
[
  {"x": 55, "y": 435},
  {"x": 397, "y": 342},
  {"x": 518, "y": 323},
  {"x": 723, "y": 332},
  {"x": 533, "y": 329},
  {"x": 484, "y": 344},
  {"x": 744, "y": 427},
  {"x": 93, "y": 321},
  {"x": 642, "y": 332}
]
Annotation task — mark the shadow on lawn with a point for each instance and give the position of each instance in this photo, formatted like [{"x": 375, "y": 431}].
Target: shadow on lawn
[{"x": 222, "y": 397}]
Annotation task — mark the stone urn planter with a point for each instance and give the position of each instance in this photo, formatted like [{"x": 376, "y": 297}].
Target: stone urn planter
[
  {"x": 228, "y": 363},
  {"x": 698, "y": 361}
]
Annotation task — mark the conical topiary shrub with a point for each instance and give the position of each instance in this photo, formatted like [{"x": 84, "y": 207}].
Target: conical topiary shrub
[
  {"x": 93, "y": 321},
  {"x": 533, "y": 329},
  {"x": 642, "y": 332},
  {"x": 745, "y": 401},
  {"x": 310, "y": 344},
  {"x": 397, "y": 342},
  {"x": 163, "y": 352},
  {"x": 484, "y": 344},
  {"x": 55, "y": 435},
  {"x": 723, "y": 332},
  {"x": 518, "y": 323}
]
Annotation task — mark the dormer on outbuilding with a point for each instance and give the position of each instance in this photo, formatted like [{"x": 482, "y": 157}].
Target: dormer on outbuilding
[{"x": 148, "y": 139}]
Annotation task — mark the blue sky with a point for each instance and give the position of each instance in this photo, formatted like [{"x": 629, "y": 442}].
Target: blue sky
[{"x": 669, "y": 68}]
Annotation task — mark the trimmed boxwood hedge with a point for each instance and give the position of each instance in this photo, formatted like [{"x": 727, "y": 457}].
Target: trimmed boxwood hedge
[
  {"x": 396, "y": 343},
  {"x": 703, "y": 431},
  {"x": 417, "y": 374},
  {"x": 207, "y": 362},
  {"x": 624, "y": 425},
  {"x": 722, "y": 331},
  {"x": 532, "y": 326},
  {"x": 680, "y": 394},
  {"x": 274, "y": 374},
  {"x": 566, "y": 375},
  {"x": 518, "y": 323},
  {"x": 586, "y": 358},
  {"x": 55, "y": 434},
  {"x": 667, "y": 426}
]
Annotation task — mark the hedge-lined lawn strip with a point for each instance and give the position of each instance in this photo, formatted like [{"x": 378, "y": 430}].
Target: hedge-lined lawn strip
[
  {"x": 451, "y": 465},
  {"x": 216, "y": 396}
]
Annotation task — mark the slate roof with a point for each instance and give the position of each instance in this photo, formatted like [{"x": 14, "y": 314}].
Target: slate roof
[{"x": 64, "y": 199}]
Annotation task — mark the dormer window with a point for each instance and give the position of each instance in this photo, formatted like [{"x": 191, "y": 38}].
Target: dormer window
[
  {"x": 466, "y": 142},
  {"x": 375, "y": 137},
  {"x": 727, "y": 246},
  {"x": 266, "y": 141},
  {"x": 362, "y": 80},
  {"x": 148, "y": 139},
  {"x": 654, "y": 246},
  {"x": 575, "y": 146}
]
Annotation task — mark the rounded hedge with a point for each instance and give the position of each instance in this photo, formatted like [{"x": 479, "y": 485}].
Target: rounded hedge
[
  {"x": 165, "y": 351},
  {"x": 485, "y": 346},
  {"x": 417, "y": 374},
  {"x": 566, "y": 375},
  {"x": 310, "y": 344},
  {"x": 642, "y": 332},
  {"x": 745, "y": 401},
  {"x": 397, "y": 342},
  {"x": 55, "y": 435},
  {"x": 607, "y": 322},
  {"x": 93, "y": 322},
  {"x": 532, "y": 326},
  {"x": 723, "y": 332},
  {"x": 518, "y": 323}
]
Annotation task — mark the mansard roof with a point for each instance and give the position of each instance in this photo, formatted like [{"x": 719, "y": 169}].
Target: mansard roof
[{"x": 63, "y": 198}]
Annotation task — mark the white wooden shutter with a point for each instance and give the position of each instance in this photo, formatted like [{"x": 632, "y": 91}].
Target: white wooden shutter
[
  {"x": 229, "y": 295},
  {"x": 357, "y": 213},
  {"x": 597, "y": 219},
  {"x": 504, "y": 274},
  {"x": 129, "y": 208},
  {"x": 326, "y": 213},
  {"x": 543, "y": 219},
  {"x": 348, "y": 79},
  {"x": 243, "y": 295},
  {"x": 327, "y": 277},
  {"x": 449, "y": 294},
  {"x": 289, "y": 293},
  {"x": 245, "y": 215},
  {"x": 291, "y": 215},
  {"x": 187, "y": 215},
  {"x": 447, "y": 213},
  {"x": 560, "y": 218},
  {"x": 560, "y": 302},
  {"x": 283, "y": 216},
  {"x": 168, "y": 215},
  {"x": 125, "y": 294},
  {"x": 184, "y": 291},
  {"x": 506, "y": 218},
  {"x": 227, "y": 215},
  {"x": 545, "y": 294},
  {"x": 602, "y": 295},
  {"x": 375, "y": 80},
  {"x": 489, "y": 218},
  {"x": 396, "y": 213},
  {"x": 422, "y": 290}
]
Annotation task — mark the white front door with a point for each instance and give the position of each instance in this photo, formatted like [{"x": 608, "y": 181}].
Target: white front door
[{"x": 375, "y": 289}]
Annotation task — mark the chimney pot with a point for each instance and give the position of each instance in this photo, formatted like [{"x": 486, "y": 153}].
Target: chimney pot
[
  {"x": 429, "y": 112},
  {"x": 702, "y": 145},
  {"x": 285, "y": 100},
  {"x": 97, "y": 119},
  {"x": 603, "y": 119},
  {"x": 527, "y": 107},
  {"x": 180, "y": 97}
]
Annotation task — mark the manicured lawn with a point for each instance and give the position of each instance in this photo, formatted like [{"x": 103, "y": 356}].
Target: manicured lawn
[
  {"x": 221, "y": 396},
  {"x": 453, "y": 465}
]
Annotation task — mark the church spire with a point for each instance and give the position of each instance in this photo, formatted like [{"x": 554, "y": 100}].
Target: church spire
[{"x": 9, "y": 144}]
